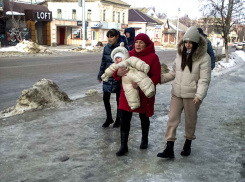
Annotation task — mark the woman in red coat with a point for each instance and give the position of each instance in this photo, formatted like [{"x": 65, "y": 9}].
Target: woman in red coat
[{"x": 143, "y": 49}]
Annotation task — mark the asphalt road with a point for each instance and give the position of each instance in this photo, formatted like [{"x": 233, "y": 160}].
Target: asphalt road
[{"x": 74, "y": 73}]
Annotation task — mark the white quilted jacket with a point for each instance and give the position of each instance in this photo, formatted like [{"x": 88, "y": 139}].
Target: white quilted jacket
[
  {"x": 193, "y": 84},
  {"x": 138, "y": 70}
]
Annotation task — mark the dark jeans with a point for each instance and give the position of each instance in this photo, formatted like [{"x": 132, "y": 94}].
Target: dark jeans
[
  {"x": 125, "y": 122},
  {"x": 106, "y": 99}
]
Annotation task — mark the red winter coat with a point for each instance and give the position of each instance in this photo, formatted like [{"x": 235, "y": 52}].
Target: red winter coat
[{"x": 147, "y": 105}]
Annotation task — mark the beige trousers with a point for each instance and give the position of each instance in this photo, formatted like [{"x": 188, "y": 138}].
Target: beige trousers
[{"x": 176, "y": 107}]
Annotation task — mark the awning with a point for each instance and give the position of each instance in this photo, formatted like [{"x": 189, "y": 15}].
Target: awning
[
  {"x": 14, "y": 13},
  {"x": 21, "y": 7}
]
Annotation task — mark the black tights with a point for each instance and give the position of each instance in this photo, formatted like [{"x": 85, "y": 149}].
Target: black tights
[
  {"x": 126, "y": 118},
  {"x": 106, "y": 99}
]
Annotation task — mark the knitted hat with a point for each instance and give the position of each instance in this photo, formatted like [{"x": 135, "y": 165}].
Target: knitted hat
[
  {"x": 119, "y": 55},
  {"x": 145, "y": 38},
  {"x": 121, "y": 49},
  {"x": 192, "y": 34}
]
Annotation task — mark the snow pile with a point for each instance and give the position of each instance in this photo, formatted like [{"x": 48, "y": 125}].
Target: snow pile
[
  {"x": 45, "y": 93},
  {"x": 91, "y": 92},
  {"x": 89, "y": 49},
  {"x": 222, "y": 67},
  {"x": 27, "y": 46}
]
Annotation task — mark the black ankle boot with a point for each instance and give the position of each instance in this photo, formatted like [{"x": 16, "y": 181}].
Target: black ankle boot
[
  {"x": 107, "y": 122},
  {"x": 187, "y": 148},
  {"x": 168, "y": 151},
  {"x": 124, "y": 144},
  {"x": 144, "y": 143},
  {"x": 117, "y": 123}
]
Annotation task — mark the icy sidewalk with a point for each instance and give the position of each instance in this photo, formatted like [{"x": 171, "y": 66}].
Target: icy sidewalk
[{"x": 68, "y": 144}]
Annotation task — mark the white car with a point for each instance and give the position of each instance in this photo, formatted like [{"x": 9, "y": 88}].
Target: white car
[
  {"x": 235, "y": 43},
  {"x": 239, "y": 46}
]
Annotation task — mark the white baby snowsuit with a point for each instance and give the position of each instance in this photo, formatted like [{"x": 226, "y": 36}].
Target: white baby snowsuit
[{"x": 138, "y": 70}]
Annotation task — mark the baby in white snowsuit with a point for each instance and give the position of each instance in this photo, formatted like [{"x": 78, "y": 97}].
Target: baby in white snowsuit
[{"x": 137, "y": 73}]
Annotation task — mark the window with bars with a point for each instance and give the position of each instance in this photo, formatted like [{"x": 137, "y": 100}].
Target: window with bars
[
  {"x": 104, "y": 14},
  {"x": 119, "y": 17},
  {"x": 74, "y": 14},
  {"x": 59, "y": 13},
  {"x": 89, "y": 14}
]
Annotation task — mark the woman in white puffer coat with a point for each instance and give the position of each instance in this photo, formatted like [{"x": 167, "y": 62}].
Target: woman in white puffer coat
[
  {"x": 137, "y": 73},
  {"x": 191, "y": 74}
]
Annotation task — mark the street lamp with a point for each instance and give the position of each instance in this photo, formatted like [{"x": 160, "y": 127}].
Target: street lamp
[{"x": 177, "y": 34}]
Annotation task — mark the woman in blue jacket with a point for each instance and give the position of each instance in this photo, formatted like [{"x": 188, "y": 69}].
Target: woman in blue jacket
[{"x": 112, "y": 86}]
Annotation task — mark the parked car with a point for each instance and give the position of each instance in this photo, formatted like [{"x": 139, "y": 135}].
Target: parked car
[
  {"x": 239, "y": 46},
  {"x": 235, "y": 43}
]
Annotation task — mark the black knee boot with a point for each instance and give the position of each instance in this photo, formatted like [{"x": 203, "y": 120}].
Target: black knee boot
[
  {"x": 118, "y": 121},
  {"x": 145, "y": 125},
  {"x": 144, "y": 139},
  {"x": 168, "y": 151},
  {"x": 187, "y": 148},
  {"x": 124, "y": 144}
]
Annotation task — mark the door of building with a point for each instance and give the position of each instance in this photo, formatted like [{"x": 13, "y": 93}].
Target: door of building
[{"x": 62, "y": 36}]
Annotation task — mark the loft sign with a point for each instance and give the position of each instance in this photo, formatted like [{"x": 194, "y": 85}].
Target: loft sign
[{"x": 44, "y": 15}]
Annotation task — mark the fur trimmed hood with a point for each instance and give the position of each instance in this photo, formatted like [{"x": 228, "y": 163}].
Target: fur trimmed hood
[
  {"x": 120, "y": 49},
  {"x": 201, "y": 50}
]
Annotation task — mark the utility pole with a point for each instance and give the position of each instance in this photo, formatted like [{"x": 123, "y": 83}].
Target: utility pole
[
  {"x": 81, "y": 3},
  {"x": 84, "y": 37},
  {"x": 177, "y": 34}
]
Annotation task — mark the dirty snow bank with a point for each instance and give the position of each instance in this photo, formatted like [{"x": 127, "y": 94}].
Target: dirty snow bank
[
  {"x": 28, "y": 47},
  {"x": 89, "y": 49},
  {"x": 45, "y": 93},
  {"x": 235, "y": 59}
]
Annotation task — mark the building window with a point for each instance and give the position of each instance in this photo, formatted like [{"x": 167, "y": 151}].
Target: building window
[
  {"x": 118, "y": 17},
  {"x": 123, "y": 20},
  {"x": 104, "y": 13},
  {"x": 89, "y": 14},
  {"x": 59, "y": 14},
  {"x": 114, "y": 14},
  {"x": 74, "y": 14}
]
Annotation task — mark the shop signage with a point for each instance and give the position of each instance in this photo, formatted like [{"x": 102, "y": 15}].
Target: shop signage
[
  {"x": 79, "y": 23},
  {"x": 96, "y": 25},
  {"x": 44, "y": 15},
  {"x": 38, "y": 15}
]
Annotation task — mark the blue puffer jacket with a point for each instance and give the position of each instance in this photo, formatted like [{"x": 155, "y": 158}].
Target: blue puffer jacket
[
  {"x": 211, "y": 53},
  {"x": 131, "y": 38},
  {"x": 112, "y": 86}
]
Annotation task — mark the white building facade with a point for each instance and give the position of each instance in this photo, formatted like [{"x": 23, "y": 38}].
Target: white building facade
[{"x": 100, "y": 16}]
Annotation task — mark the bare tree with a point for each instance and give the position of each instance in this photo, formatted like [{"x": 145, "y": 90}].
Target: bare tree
[
  {"x": 153, "y": 8},
  {"x": 161, "y": 15},
  {"x": 16, "y": 20},
  {"x": 185, "y": 20},
  {"x": 222, "y": 13}
]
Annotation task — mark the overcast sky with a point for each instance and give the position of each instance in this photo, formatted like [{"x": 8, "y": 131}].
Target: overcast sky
[{"x": 170, "y": 7}]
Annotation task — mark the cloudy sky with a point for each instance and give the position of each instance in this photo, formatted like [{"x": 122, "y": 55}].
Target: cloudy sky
[{"x": 190, "y": 7}]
